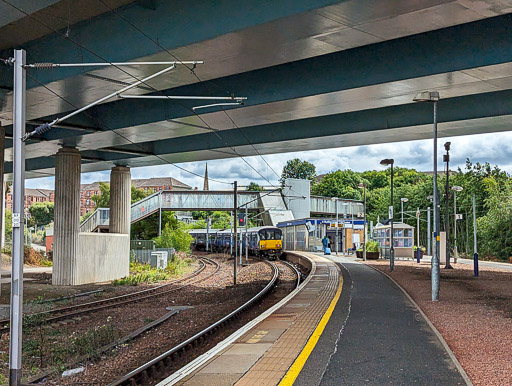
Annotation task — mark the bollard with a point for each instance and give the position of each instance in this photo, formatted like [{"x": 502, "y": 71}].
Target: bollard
[{"x": 475, "y": 264}]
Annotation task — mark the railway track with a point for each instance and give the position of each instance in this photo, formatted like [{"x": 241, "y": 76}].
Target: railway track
[
  {"x": 156, "y": 367},
  {"x": 70, "y": 312}
]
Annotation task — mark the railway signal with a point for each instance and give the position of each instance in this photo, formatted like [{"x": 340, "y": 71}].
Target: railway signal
[{"x": 241, "y": 219}]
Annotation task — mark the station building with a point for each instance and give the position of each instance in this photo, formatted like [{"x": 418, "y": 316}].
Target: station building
[{"x": 306, "y": 234}]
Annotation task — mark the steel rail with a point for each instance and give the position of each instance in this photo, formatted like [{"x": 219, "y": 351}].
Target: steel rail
[
  {"x": 79, "y": 309},
  {"x": 294, "y": 268},
  {"x": 141, "y": 374}
]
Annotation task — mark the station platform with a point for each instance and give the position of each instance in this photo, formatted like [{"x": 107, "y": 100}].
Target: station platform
[{"x": 346, "y": 324}]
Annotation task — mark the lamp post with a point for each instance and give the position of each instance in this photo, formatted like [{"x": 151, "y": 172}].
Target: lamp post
[
  {"x": 433, "y": 97},
  {"x": 363, "y": 186},
  {"x": 455, "y": 190},
  {"x": 385, "y": 162},
  {"x": 402, "y": 200},
  {"x": 335, "y": 199},
  {"x": 446, "y": 158}
]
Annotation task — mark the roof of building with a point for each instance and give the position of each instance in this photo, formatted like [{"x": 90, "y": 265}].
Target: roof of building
[
  {"x": 160, "y": 181},
  {"x": 35, "y": 192}
]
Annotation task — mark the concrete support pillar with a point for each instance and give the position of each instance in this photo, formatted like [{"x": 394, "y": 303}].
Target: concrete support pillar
[
  {"x": 67, "y": 216},
  {"x": 120, "y": 200}
]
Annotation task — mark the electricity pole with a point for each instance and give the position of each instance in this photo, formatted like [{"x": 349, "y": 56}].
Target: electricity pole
[
  {"x": 475, "y": 256},
  {"x": 234, "y": 231},
  {"x": 18, "y": 187}
]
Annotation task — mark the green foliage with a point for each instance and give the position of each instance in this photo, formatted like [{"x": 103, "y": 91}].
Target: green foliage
[
  {"x": 177, "y": 238},
  {"x": 295, "y": 168},
  {"x": 41, "y": 212},
  {"x": 254, "y": 187},
  {"x": 103, "y": 199},
  {"x": 341, "y": 183},
  {"x": 144, "y": 273},
  {"x": 8, "y": 225},
  {"x": 372, "y": 246},
  {"x": 86, "y": 216},
  {"x": 147, "y": 229}
]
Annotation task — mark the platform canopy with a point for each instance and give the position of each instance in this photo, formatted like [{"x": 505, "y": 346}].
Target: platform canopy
[{"x": 317, "y": 74}]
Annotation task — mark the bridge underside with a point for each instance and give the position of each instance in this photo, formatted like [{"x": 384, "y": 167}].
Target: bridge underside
[{"x": 338, "y": 73}]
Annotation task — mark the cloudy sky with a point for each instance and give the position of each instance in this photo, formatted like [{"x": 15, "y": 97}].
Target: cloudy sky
[{"x": 495, "y": 148}]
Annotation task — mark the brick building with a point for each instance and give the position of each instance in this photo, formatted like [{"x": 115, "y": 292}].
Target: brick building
[{"x": 32, "y": 196}]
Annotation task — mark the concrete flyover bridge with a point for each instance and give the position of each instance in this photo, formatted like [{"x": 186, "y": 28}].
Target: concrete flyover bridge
[
  {"x": 273, "y": 204},
  {"x": 338, "y": 73}
]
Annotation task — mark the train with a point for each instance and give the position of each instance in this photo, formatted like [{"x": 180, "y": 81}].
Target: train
[{"x": 263, "y": 241}]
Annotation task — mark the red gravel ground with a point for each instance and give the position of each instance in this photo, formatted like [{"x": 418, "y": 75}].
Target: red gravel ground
[{"x": 474, "y": 315}]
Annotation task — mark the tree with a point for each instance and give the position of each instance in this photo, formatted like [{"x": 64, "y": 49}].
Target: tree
[
  {"x": 254, "y": 187},
  {"x": 147, "y": 229},
  {"x": 41, "y": 212},
  {"x": 102, "y": 200},
  {"x": 295, "y": 168},
  {"x": 177, "y": 238}
]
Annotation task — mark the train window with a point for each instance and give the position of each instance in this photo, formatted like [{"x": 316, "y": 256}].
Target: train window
[{"x": 270, "y": 234}]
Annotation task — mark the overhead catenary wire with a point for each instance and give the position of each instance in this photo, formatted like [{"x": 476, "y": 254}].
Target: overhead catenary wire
[
  {"x": 136, "y": 78},
  {"x": 197, "y": 77},
  {"x": 121, "y": 135}
]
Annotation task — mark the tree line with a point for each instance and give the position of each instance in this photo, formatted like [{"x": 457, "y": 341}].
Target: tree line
[{"x": 491, "y": 186}]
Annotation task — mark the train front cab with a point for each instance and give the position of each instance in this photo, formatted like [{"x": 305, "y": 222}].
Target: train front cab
[{"x": 270, "y": 242}]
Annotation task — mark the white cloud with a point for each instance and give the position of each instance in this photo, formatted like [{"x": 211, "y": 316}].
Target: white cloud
[{"x": 495, "y": 148}]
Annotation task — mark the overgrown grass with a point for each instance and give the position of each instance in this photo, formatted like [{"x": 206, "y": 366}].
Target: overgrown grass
[{"x": 144, "y": 274}]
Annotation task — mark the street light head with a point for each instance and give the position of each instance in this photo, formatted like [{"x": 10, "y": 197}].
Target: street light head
[
  {"x": 447, "y": 146},
  {"x": 334, "y": 198},
  {"x": 387, "y": 161},
  {"x": 427, "y": 96},
  {"x": 361, "y": 185},
  {"x": 457, "y": 188},
  {"x": 404, "y": 199}
]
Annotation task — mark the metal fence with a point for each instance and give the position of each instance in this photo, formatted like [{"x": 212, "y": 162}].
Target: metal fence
[{"x": 143, "y": 256}]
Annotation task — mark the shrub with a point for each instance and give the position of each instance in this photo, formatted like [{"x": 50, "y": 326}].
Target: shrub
[
  {"x": 178, "y": 238},
  {"x": 372, "y": 246}
]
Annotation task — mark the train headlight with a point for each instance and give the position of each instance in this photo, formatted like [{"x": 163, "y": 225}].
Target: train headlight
[{"x": 263, "y": 245}]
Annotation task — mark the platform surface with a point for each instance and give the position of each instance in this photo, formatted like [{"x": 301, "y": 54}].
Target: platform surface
[{"x": 374, "y": 336}]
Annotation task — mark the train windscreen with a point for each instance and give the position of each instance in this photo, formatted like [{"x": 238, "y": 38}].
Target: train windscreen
[{"x": 270, "y": 234}]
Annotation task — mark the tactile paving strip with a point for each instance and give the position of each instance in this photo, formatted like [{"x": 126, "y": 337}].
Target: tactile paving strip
[{"x": 312, "y": 303}]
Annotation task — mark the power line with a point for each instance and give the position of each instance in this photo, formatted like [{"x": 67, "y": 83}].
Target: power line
[
  {"x": 136, "y": 78},
  {"x": 193, "y": 73},
  {"x": 119, "y": 134}
]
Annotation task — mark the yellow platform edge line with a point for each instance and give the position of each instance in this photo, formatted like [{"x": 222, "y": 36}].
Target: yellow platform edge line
[{"x": 300, "y": 361}]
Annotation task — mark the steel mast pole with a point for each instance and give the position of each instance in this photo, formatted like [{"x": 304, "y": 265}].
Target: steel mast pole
[
  {"x": 454, "y": 226},
  {"x": 475, "y": 256},
  {"x": 231, "y": 235},
  {"x": 392, "y": 246},
  {"x": 337, "y": 226},
  {"x": 160, "y": 215},
  {"x": 234, "y": 231},
  {"x": 435, "y": 256},
  {"x": 16, "y": 317},
  {"x": 246, "y": 240},
  {"x": 364, "y": 223},
  {"x": 447, "y": 197},
  {"x": 429, "y": 233}
]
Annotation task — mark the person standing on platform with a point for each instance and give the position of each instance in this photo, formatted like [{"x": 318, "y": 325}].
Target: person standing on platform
[{"x": 325, "y": 243}]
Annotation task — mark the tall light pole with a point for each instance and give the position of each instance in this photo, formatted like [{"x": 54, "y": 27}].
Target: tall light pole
[
  {"x": 363, "y": 186},
  {"x": 455, "y": 190},
  {"x": 402, "y": 200},
  {"x": 385, "y": 162},
  {"x": 446, "y": 158},
  {"x": 433, "y": 97},
  {"x": 335, "y": 199}
]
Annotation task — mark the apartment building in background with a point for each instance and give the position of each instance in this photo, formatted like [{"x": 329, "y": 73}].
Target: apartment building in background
[{"x": 148, "y": 185}]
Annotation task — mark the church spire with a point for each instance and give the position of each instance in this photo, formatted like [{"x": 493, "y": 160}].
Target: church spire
[{"x": 205, "y": 187}]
